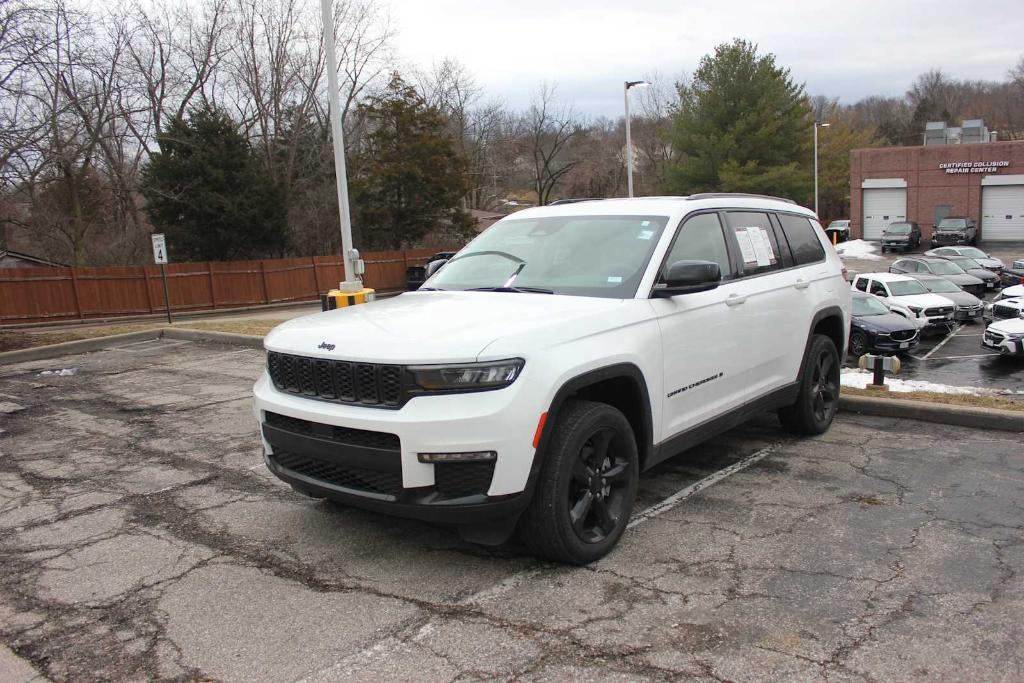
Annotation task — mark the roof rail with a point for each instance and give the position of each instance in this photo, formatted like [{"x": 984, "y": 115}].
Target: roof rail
[
  {"x": 575, "y": 200},
  {"x": 722, "y": 195}
]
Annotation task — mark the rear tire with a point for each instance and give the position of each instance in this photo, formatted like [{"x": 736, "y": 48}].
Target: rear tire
[
  {"x": 818, "y": 398},
  {"x": 587, "y": 485}
]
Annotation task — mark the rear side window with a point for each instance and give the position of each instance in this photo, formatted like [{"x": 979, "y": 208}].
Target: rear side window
[
  {"x": 701, "y": 239},
  {"x": 862, "y": 284},
  {"x": 803, "y": 242},
  {"x": 759, "y": 248}
]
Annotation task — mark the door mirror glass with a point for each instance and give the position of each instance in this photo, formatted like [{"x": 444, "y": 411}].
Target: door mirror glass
[
  {"x": 686, "y": 277},
  {"x": 435, "y": 266}
]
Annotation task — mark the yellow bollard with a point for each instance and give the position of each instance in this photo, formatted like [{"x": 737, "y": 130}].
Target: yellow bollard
[{"x": 339, "y": 299}]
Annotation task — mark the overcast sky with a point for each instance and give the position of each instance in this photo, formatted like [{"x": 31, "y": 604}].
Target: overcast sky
[{"x": 846, "y": 49}]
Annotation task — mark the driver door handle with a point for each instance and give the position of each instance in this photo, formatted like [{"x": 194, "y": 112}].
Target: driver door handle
[
  {"x": 735, "y": 299},
  {"x": 801, "y": 284}
]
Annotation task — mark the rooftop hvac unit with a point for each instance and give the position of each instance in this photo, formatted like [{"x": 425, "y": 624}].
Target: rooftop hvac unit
[
  {"x": 935, "y": 133},
  {"x": 974, "y": 131}
]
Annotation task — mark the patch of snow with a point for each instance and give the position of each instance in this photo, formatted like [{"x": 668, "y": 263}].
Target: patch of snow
[
  {"x": 858, "y": 249},
  {"x": 859, "y": 379}
]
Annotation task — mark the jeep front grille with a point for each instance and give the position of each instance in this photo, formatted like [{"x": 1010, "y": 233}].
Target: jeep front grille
[{"x": 369, "y": 384}]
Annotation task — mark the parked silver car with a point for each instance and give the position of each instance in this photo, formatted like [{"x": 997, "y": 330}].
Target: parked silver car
[
  {"x": 913, "y": 265},
  {"x": 968, "y": 306},
  {"x": 986, "y": 260},
  {"x": 972, "y": 267}
]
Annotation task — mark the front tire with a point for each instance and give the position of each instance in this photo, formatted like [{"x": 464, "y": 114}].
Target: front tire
[
  {"x": 587, "y": 485},
  {"x": 818, "y": 398},
  {"x": 858, "y": 344}
]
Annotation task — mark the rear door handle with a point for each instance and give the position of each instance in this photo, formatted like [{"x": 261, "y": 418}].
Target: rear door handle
[
  {"x": 735, "y": 299},
  {"x": 801, "y": 284}
]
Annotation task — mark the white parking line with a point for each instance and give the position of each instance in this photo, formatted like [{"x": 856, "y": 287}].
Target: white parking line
[
  {"x": 952, "y": 333},
  {"x": 698, "y": 486}
]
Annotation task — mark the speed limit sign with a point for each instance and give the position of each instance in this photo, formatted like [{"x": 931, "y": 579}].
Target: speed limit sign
[{"x": 159, "y": 249}]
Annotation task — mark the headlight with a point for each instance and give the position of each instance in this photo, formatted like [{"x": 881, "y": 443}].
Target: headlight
[
  {"x": 916, "y": 310},
  {"x": 466, "y": 376}
]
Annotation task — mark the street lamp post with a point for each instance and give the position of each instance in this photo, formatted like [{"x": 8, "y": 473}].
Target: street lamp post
[
  {"x": 350, "y": 284},
  {"x": 629, "y": 140},
  {"x": 816, "y": 127}
]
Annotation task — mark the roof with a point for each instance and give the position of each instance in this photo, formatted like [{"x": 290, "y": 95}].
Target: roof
[
  {"x": 886, "y": 277},
  {"x": 667, "y": 206},
  {"x": 37, "y": 260}
]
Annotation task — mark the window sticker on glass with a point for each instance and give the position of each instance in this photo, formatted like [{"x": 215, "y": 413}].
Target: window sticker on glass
[
  {"x": 616, "y": 279},
  {"x": 645, "y": 234},
  {"x": 768, "y": 245},
  {"x": 762, "y": 252},
  {"x": 746, "y": 246}
]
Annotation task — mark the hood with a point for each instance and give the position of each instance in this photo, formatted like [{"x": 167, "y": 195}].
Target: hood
[
  {"x": 888, "y": 322},
  {"x": 962, "y": 298},
  {"x": 982, "y": 274},
  {"x": 1009, "y": 326},
  {"x": 923, "y": 300},
  {"x": 1011, "y": 292},
  {"x": 963, "y": 279},
  {"x": 991, "y": 262},
  {"x": 438, "y": 327}
]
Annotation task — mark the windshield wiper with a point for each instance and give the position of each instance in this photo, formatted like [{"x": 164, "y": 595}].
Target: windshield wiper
[
  {"x": 521, "y": 290},
  {"x": 430, "y": 289}
]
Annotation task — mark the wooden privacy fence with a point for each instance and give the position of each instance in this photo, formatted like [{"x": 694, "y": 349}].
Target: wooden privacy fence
[{"x": 29, "y": 295}]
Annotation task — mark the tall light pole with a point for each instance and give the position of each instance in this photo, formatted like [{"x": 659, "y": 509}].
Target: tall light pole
[
  {"x": 816, "y": 127},
  {"x": 327, "y": 17},
  {"x": 629, "y": 140}
]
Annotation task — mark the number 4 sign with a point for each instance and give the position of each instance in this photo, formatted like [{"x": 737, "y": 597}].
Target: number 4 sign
[{"x": 159, "y": 249}]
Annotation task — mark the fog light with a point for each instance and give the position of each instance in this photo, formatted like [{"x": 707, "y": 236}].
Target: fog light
[{"x": 472, "y": 456}]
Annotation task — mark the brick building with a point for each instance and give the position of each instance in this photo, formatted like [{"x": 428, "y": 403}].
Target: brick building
[{"x": 983, "y": 181}]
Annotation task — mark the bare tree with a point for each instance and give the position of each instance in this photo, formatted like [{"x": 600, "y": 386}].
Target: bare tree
[{"x": 547, "y": 129}]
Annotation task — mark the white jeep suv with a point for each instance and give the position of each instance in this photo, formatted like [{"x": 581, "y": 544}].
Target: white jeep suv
[{"x": 563, "y": 351}]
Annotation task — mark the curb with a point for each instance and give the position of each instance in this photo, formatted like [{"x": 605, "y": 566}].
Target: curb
[
  {"x": 941, "y": 413},
  {"x": 77, "y": 346},
  {"x": 250, "y": 340}
]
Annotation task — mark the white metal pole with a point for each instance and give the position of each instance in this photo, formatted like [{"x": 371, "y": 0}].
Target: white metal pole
[
  {"x": 339, "y": 145},
  {"x": 629, "y": 146},
  {"x": 815, "y": 167}
]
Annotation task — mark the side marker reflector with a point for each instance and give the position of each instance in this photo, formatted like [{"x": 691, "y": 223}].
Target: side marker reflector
[{"x": 540, "y": 429}]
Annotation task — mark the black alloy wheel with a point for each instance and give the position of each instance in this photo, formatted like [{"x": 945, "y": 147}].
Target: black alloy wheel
[
  {"x": 586, "y": 486},
  {"x": 818, "y": 394},
  {"x": 858, "y": 344},
  {"x": 600, "y": 486}
]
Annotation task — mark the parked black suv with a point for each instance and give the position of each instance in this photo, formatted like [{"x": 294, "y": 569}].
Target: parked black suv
[
  {"x": 904, "y": 235},
  {"x": 955, "y": 230},
  {"x": 874, "y": 327}
]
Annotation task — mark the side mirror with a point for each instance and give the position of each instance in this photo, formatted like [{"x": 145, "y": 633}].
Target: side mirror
[
  {"x": 687, "y": 277},
  {"x": 435, "y": 266}
]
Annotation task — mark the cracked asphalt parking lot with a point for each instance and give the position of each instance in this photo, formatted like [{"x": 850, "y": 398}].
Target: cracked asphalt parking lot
[{"x": 140, "y": 538}]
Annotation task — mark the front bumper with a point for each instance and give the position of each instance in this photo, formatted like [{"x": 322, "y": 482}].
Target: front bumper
[
  {"x": 890, "y": 346},
  {"x": 1002, "y": 343},
  {"x": 965, "y": 313},
  {"x": 327, "y": 453},
  {"x": 896, "y": 244}
]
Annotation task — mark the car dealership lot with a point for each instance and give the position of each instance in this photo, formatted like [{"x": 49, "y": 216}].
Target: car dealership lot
[
  {"x": 955, "y": 358},
  {"x": 141, "y": 537}
]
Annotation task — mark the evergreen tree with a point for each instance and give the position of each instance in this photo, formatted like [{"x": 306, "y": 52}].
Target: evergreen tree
[
  {"x": 407, "y": 179},
  {"x": 208, "y": 192},
  {"x": 742, "y": 125}
]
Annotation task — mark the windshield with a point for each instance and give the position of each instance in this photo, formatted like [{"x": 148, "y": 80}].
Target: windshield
[
  {"x": 973, "y": 252},
  {"x": 906, "y": 287},
  {"x": 952, "y": 224},
  {"x": 868, "y": 305},
  {"x": 945, "y": 268},
  {"x": 899, "y": 229},
  {"x": 965, "y": 262},
  {"x": 940, "y": 286},
  {"x": 599, "y": 256}
]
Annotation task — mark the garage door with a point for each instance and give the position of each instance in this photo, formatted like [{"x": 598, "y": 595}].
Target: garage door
[
  {"x": 1002, "y": 213},
  {"x": 883, "y": 206}
]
